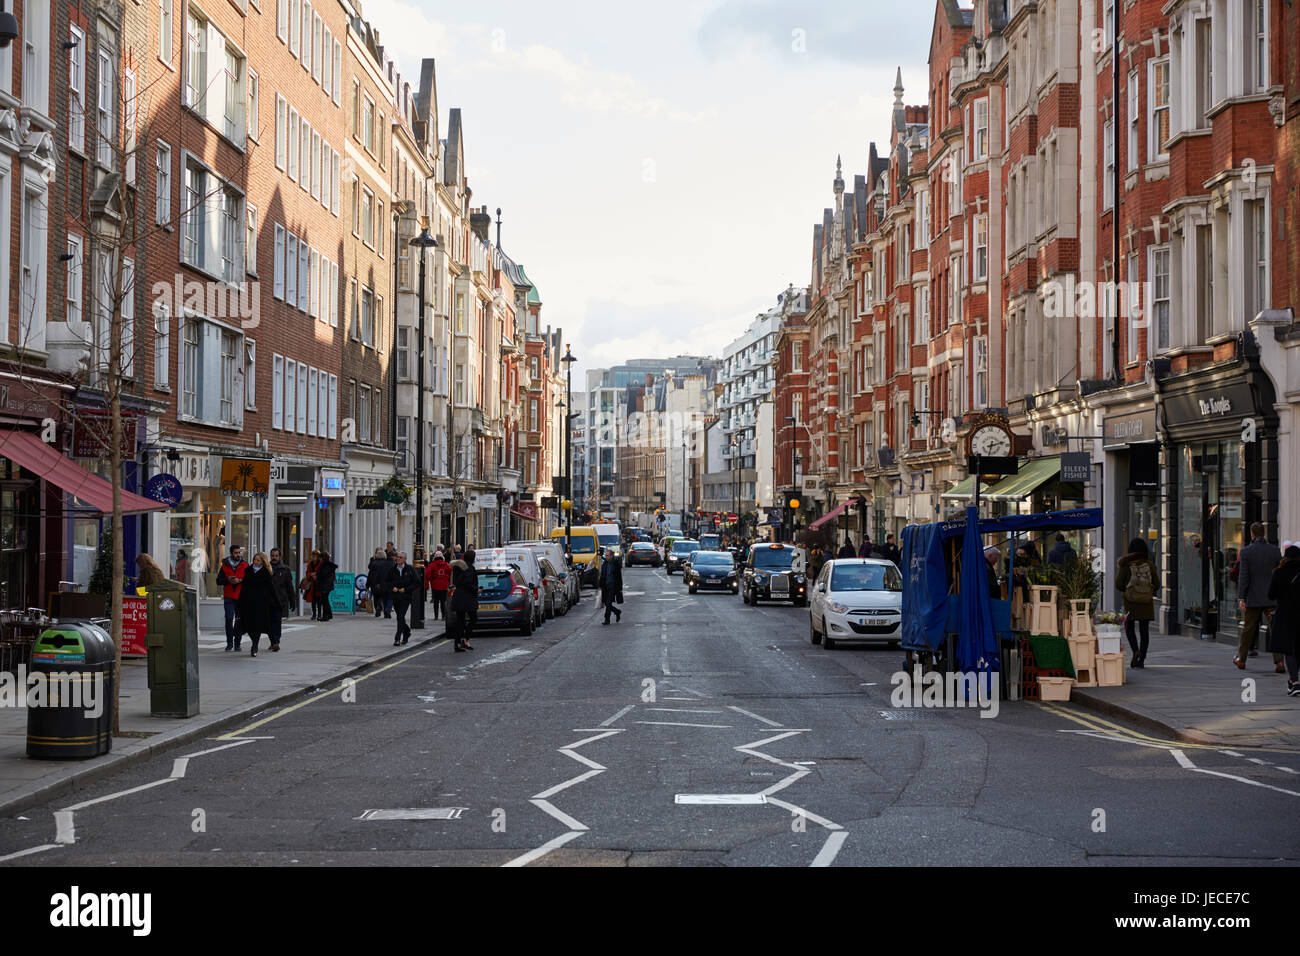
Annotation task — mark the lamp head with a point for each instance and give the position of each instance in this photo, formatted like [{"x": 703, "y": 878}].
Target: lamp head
[{"x": 8, "y": 28}]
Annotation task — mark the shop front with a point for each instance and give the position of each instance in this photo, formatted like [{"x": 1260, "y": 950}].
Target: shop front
[
  {"x": 364, "y": 529},
  {"x": 1131, "y": 487},
  {"x": 1221, "y": 467}
]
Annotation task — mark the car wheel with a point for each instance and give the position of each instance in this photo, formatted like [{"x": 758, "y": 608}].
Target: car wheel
[
  {"x": 691, "y": 588},
  {"x": 744, "y": 595},
  {"x": 812, "y": 631},
  {"x": 827, "y": 641}
]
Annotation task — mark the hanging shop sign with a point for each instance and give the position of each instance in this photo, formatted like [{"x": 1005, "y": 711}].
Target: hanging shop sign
[
  {"x": 165, "y": 488},
  {"x": 1076, "y": 466},
  {"x": 333, "y": 483},
  {"x": 245, "y": 477},
  {"x": 1144, "y": 466},
  {"x": 371, "y": 502},
  {"x": 92, "y": 430}
]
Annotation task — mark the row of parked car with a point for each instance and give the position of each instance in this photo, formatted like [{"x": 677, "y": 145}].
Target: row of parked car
[{"x": 525, "y": 584}]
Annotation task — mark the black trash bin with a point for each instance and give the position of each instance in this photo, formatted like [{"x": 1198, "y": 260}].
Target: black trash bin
[{"x": 73, "y": 716}]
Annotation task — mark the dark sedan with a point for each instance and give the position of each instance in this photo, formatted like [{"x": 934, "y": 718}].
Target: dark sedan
[
  {"x": 680, "y": 552},
  {"x": 643, "y": 552},
  {"x": 504, "y": 600},
  {"x": 714, "y": 570}
]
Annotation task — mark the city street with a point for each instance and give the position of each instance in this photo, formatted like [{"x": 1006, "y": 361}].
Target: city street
[{"x": 698, "y": 731}]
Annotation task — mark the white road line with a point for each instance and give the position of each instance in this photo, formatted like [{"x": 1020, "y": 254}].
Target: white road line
[
  {"x": 122, "y": 793},
  {"x": 1186, "y": 764},
  {"x": 65, "y": 830},
  {"x": 544, "y": 849},
  {"x": 768, "y": 740},
  {"x": 180, "y": 764},
  {"x": 547, "y": 807},
  {"x": 686, "y": 710},
  {"x": 1230, "y": 753},
  {"x": 830, "y": 849},
  {"x": 670, "y": 723},
  {"x": 1286, "y": 770},
  {"x": 566, "y": 784},
  {"x": 587, "y": 740},
  {"x": 741, "y": 710},
  {"x": 785, "y": 782},
  {"x": 609, "y": 720},
  {"x": 582, "y": 760},
  {"x": 1258, "y": 761},
  {"x": 663, "y": 653},
  {"x": 29, "y": 851}
]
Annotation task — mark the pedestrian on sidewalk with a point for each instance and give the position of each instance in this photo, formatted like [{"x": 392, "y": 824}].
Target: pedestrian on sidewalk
[
  {"x": 308, "y": 584},
  {"x": 890, "y": 551},
  {"x": 325, "y": 576},
  {"x": 230, "y": 576},
  {"x": 1284, "y": 631},
  {"x": 402, "y": 584},
  {"x": 1139, "y": 579},
  {"x": 464, "y": 601},
  {"x": 381, "y": 566},
  {"x": 149, "y": 572},
  {"x": 182, "y": 570},
  {"x": 847, "y": 550},
  {"x": 611, "y": 586},
  {"x": 865, "y": 549},
  {"x": 1256, "y": 564},
  {"x": 285, "y": 593},
  {"x": 1062, "y": 554},
  {"x": 437, "y": 578},
  {"x": 259, "y": 607}
]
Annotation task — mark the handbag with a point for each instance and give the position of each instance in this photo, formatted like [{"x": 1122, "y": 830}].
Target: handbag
[{"x": 619, "y": 599}]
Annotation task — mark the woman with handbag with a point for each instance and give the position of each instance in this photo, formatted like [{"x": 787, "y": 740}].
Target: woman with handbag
[
  {"x": 259, "y": 605},
  {"x": 308, "y": 585}
]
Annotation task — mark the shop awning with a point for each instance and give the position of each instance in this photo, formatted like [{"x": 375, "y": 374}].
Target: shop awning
[
  {"x": 964, "y": 490},
  {"x": 27, "y": 450},
  {"x": 1033, "y": 473},
  {"x": 833, "y": 513}
]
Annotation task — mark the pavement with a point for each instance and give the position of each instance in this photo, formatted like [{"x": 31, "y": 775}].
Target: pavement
[
  {"x": 1189, "y": 691},
  {"x": 231, "y": 686}
]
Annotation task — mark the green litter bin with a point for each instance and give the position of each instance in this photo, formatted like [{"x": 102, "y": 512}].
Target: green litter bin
[{"x": 70, "y": 692}]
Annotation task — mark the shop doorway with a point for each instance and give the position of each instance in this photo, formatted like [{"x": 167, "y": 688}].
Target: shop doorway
[
  {"x": 287, "y": 530},
  {"x": 1211, "y": 535}
]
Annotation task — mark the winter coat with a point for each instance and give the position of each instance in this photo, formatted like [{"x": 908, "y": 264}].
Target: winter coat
[
  {"x": 865, "y": 550},
  {"x": 378, "y": 574},
  {"x": 437, "y": 576},
  {"x": 308, "y": 584},
  {"x": 1138, "y": 611},
  {"x": 465, "y": 580},
  {"x": 1062, "y": 554},
  {"x": 611, "y": 582},
  {"x": 325, "y": 579},
  {"x": 1258, "y": 560},
  {"x": 847, "y": 551},
  {"x": 890, "y": 552},
  {"x": 259, "y": 606},
  {"x": 282, "y": 578},
  {"x": 232, "y": 571},
  {"x": 1284, "y": 588},
  {"x": 403, "y": 582}
]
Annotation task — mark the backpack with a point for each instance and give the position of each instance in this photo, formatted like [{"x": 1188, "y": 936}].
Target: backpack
[{"x": 1141, "y": 586}]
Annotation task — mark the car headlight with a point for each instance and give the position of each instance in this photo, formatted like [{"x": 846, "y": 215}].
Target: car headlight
[
  {"x": 799, "y": 578},
  {"x": 731, "y": 574},
  {"x": 837, "y": 607},
  {"x": 760, "y": 578}
]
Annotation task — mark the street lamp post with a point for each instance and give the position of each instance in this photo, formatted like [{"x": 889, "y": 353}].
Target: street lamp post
[
  {"x": 422, "y": 242},
  {"x": 568, "y": 361},
  {"x": 683, "y": 527},
  {"x": 735, "y": 481}
]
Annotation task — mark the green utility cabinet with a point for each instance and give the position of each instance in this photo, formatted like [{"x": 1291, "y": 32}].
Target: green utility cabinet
[{"x": 172, "y": 636}]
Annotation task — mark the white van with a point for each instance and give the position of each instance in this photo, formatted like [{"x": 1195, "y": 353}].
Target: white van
[{"x": 610, "y": 535}]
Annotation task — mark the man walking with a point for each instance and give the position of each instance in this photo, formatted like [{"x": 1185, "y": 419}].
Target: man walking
[
  {"x": 611, "y": 585},
  {"x": 847, "y": 550},
  {"x": 231, "y": 579},
  {"x": 1257, "y": 563},
  {"x": 890, "y": 551},
  {"x": 285, "y": 593},
  {"x": 403, "y": 583}
]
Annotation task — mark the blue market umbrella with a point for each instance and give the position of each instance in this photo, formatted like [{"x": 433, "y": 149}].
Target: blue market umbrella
[{"x": 977, "y": 646}]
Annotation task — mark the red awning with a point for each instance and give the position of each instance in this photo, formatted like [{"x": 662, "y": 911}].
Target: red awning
[
  {"x": 833, "y": 514},
  {"x": 27, "y": 450}
]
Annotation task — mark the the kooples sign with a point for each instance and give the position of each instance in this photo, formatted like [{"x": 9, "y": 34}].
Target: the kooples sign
[{"x": 1229, "y": 402}]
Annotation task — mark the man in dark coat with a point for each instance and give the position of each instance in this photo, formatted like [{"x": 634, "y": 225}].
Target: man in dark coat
[
  {"x": 890, "y": 551},
  {"x": 611, "y": 585},
  {"x": 1061, "y": 554},
  {"x": 325, "y": 584},
  {"x": 259, "y": 607},
  {"x": 285, "y": 589},
  {"x": 1255, "y": 570},
  {"x": 1284, "y": 631},
  {"x": 847, "y": 550},
  {"x": 381, "y": 565},
  {"x": 403, "y": 584},
  {"x": 464, "y": 600}
]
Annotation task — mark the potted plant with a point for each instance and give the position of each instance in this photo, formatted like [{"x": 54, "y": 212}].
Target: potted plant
[{"x": 395, "y": 491}]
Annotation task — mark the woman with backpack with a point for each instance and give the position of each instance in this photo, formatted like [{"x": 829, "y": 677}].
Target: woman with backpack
[
  {"x": 1139, "y": 580},
  {"x": 1284, "y": 631}
]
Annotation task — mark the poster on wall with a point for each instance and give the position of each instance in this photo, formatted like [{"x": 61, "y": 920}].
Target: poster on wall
[
  {"x": 135, "y": 622},
  {"x": 344, "y": 595}
]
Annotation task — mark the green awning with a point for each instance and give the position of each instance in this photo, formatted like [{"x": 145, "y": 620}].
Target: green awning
[
  {"x": 1033, "y": 473},
  {"x": 964, "y": 490}
]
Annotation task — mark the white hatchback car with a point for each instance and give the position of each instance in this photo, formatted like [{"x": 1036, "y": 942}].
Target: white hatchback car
[{"x": 857, "y": 600}]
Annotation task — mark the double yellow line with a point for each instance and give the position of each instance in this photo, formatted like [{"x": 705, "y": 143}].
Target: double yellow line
[
  {"x": 329, "y": 693},
  {"x": 1112, "y": 729}
]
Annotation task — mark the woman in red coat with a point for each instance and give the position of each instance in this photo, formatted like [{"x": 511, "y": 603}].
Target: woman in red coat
[{"x": 437, "y": 579}]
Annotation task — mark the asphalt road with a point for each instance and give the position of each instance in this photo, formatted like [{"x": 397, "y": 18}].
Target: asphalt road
[{"x": 576, "y": 746}]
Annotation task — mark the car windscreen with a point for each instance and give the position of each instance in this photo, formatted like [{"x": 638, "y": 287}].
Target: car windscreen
[
  {"x": 685, "y": 547},
  {"x": 773, "y": 559},
  {"x": 494, "y": 584},
  {"x": 642, "y": 546},
  {"x": 713, "y": 561},
  {"x": 582, "y": 545},
  {"x": 608, "y": 539},
  {"x": 866, "y": 577}
]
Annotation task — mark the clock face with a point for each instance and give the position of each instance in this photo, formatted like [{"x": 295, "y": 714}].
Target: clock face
[{"x": 990, "y": 441}]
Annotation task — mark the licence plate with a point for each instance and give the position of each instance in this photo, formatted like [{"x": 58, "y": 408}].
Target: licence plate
[
  {"x": 875, "y": 622},
  {"x": 489, "y": 607}
]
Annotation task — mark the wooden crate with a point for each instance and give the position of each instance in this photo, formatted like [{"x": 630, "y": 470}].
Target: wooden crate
[
  {"x": 1055, "y": 688},
  {"x": 1110, "y": 670}
]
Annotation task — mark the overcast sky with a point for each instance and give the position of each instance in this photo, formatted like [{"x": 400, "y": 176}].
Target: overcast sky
[{"x": 660, "y": 169}]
